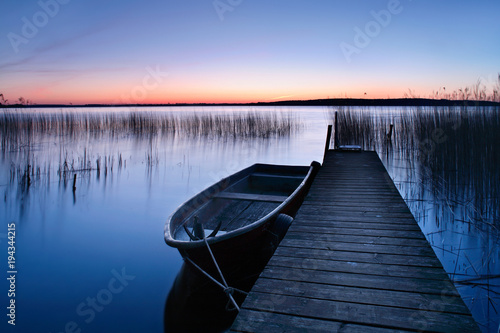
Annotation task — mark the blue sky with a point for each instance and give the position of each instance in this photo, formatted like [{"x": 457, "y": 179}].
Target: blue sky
[{"x": 243, "y": 50}]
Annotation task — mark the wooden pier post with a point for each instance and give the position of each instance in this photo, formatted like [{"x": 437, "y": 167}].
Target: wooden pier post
[{"x": 328, "y": 138}]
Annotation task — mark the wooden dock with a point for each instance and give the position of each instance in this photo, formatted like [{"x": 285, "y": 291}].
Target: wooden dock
[{"x": 354, "y": 259}]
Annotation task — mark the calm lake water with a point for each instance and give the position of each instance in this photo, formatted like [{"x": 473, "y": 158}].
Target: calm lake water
[{"x": 95, "y": 258}]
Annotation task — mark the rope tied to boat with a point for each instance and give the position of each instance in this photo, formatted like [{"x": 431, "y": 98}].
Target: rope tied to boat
[
  {"x": 229, "y": 291},
  {"x": 198, "y": 230}
]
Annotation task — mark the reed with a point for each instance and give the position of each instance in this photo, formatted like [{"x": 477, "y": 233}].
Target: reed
[
  {"x": 460, "y": 150},
  {"x": 361, "y": 127},
  {"x": 451, "y": 156},
  {"x": 21, "y": 132},
  {"x": 18, "y": 129},
  {"x": 455, "y": 149}
]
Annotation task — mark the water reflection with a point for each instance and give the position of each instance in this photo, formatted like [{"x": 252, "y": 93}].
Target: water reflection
[
  {"x": 81, "y": 143},
  {"x": 197, "y": 304},
  {"x": 128, "y": 182}
]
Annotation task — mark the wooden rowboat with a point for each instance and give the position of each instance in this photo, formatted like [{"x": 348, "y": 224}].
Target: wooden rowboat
[{"x": 238, "y": 215}]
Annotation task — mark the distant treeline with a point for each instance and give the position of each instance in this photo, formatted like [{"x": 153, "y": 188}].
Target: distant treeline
[
  {"x": 384, "y": 102},
  {"x": 312, "y": 102}
]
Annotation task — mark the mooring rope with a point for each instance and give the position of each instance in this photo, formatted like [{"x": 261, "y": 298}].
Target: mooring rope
[{"x": 227, "y": 290}]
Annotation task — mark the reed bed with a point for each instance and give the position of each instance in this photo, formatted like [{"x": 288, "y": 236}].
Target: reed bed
[
  {"x": 361, "y": 127},
  {"x": 31, "y": 172},
  {"x": 454, "y": 148},
  {"x": 451, "y": 158},
  {"x": 19, "y": 129},
  {"x": 26, "y": 134},
  {"x": 459, "y": 149}
]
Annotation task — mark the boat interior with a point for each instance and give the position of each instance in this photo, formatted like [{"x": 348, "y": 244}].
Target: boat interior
[{"x": 241, "y": 203}]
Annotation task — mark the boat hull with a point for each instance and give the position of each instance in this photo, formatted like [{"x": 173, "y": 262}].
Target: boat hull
[{"x": 257, "y": 192}]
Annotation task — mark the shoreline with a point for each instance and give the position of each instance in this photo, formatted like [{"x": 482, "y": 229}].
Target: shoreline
[{"x": 313, "y": 102}]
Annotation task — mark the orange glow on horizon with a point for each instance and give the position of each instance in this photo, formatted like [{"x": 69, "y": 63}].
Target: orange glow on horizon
[{"x": 111, "y": 93}]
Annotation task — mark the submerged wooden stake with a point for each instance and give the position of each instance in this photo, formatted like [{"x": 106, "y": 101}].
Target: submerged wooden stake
[
  {"x": 74, "y": 183},
  {"x": 29, "y": 178},
  {"x": 389, "y": 135}
]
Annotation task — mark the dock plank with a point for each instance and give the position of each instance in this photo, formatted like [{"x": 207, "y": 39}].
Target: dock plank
[
  {"x": 358, "y": 239},
  {"x": 409, "y": 300},
  {"x": 326, "y": 226},
  {"x": 359, "y": 267},
  {"x": 360, "y": 229},
  {"x": 354, "y": 260},
  {"x": 361, "y": 314},
  {"x": 356, "y": 247},
  {"x": 397, "y": 283},
  {"x": 386, "y": 259},
  {"x": 250, "y": 321}
]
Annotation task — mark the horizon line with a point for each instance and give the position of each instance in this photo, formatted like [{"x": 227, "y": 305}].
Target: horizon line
[{"x": 403, "y": 101}]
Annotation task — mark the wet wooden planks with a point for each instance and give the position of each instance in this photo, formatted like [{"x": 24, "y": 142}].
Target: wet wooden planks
[{"x": 354, "y": 260}]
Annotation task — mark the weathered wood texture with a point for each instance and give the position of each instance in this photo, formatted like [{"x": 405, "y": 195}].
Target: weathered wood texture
[
  {"x": 354, "y": 260},
  {"x": 251, "y": 197}
]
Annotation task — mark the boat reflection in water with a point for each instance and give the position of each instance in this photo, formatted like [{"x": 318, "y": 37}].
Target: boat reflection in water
[{"x": 197, "y": 304}]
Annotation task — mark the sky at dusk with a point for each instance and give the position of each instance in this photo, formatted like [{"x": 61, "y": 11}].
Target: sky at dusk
[{"x": 75, "y": 51}]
